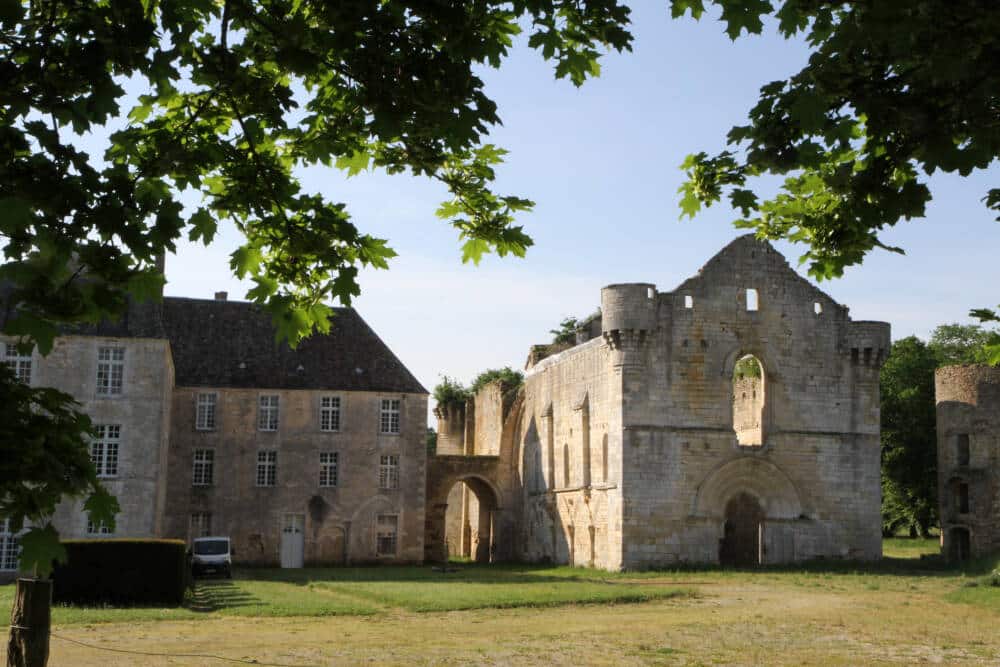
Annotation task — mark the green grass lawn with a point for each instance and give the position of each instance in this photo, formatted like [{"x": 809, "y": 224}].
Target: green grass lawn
[
  {"x": 362, "y": 591},
  {"x": 906, "y": 547},
  {"x": 372, "y": 590}
]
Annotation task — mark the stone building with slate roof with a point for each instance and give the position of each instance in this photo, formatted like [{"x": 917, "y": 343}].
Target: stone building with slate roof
[{"x": 209, "y": 427}]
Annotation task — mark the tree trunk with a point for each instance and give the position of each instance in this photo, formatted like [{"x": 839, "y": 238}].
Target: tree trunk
[{"x": 29, "y": 624}]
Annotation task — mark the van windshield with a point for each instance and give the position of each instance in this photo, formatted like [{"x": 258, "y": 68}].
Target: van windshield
[{"x": 211, "y": 547}]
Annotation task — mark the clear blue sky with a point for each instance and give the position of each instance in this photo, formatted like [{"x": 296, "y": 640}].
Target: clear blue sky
[{"x": 601, "y": 162}]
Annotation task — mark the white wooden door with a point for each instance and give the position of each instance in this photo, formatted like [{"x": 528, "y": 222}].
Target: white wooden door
[{"x": 292, "y": 540}]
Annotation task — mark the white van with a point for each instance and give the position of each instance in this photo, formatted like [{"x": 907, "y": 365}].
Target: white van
[{"x": 212, "y": 554}]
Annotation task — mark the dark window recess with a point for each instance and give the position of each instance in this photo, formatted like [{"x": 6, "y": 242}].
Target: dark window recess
[
  {"x": 963, "y": 498},
  {"x": 962, "y": 446}
]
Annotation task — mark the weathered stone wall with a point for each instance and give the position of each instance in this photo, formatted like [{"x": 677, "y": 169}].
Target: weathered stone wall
[
  {"x": 636, "y": 449},
  {"x": 489, "y": 413},
  {"x": 451, "y": 428},
  {"x": 340, "y": 521},
  {"x": 143, "y": 412},
  {"x": 968, "y": 407},
  {"x": 569, "y": 460},
  {"x": 817, "y": 473}
]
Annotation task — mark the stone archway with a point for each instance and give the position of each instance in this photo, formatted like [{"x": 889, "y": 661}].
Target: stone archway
[
  {"x": 741, "y": 541},
  {"x": 469, "y": 521},
  {"x": 477, "y": 474}
]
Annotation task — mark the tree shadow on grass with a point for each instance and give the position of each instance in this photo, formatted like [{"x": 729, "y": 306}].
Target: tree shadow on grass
[{"x": 208, "y": 596}]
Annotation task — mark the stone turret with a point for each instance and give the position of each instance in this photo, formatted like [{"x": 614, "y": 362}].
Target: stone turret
[
  {"x": 868, "y": 343},
  {"x": 968, "y": 448},
  {"x": 451, "y": 428},
  {"x": 628, "y": 317}
]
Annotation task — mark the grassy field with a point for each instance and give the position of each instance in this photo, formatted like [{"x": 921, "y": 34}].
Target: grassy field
[{"x": 903, "y": 610}]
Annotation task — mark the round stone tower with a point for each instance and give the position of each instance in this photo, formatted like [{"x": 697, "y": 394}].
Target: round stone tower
[
  {"x": 968, "y": 439},
  {"x": 628, "y": 316}
]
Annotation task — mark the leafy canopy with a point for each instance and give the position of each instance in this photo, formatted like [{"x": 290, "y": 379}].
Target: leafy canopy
[
  {"x": 963, "y": 344},
  {"x": 510, "y": 379},
  {"x": 892, "y": 92},
  {"x": 450, "y": 391},
  {"x": 239, "y": 94},
  {"x": 909, "y": 440}
]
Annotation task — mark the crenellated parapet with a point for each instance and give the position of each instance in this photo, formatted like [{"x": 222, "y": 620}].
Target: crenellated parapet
[
  {"x": 868, "y": 343},
  {"x": 628, "y": 318}
]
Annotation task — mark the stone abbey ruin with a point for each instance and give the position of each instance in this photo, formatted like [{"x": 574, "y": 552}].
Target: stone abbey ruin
[{"x": 734, "y": 419}]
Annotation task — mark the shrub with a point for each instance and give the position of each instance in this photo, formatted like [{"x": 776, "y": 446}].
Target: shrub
[
  {"x": 507, "y": 376},
  {"x": 450, "y": 392},
  {"x": 122, "y": 571}
]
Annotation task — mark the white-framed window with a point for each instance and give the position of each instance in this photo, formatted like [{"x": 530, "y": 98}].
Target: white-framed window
[
  {"x": 388, "y": 471},
  {"x": 105, "y": 448},
  {"x": 19, "y": 363},
  {"x": 98, "y": 529},
  {"x": 205, "y": 412},
  {"x": 110, "y": 370},
  {"x": 389, "y": 416},
  {"x": 329, "y": 413},
  {"x": 201, "y": 524},
  {"x": 267, "y": 467},
  {"x": 267, "y": 413},
  {"x": 203, "y": 468},
  {"x": 328, "y": 469},
  {"x": 10, "y": 547},
  {"x": 386, "y": 526}
]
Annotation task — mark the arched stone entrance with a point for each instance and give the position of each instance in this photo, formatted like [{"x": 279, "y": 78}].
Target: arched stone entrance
[
  {"x": 469, "y": 521},
  {"x": 484, "y": 533},
  {"x": 741, "y": 541}
]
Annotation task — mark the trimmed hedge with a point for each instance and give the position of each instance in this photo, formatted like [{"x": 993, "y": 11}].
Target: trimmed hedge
[{"x": 122, "y": 571}]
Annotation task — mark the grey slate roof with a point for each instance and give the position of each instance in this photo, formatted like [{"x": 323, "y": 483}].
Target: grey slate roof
[{"x": 231, "y": 344}]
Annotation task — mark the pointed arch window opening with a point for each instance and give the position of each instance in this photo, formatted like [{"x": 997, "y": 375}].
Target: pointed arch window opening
[{"x": 748, "y": 396}]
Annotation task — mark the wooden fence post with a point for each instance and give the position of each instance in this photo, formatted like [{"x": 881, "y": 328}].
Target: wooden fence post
[{"x": 29, "y": 624}]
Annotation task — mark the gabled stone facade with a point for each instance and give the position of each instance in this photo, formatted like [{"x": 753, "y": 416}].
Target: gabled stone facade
[{"x": 636, "y": 447}]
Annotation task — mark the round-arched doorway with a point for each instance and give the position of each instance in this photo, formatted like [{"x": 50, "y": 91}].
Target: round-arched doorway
[{"x": 740, "y": 545}]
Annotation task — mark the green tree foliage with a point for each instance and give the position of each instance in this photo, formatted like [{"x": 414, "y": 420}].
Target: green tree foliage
[
  {"x": 566, "y": 333},
  {"x": 43, "y": 457},
  {"x": 892, "y": 92},
  {"x": 431, "y": 440},
  {"x": 240, "y": 93},
  {"x": 510, "y": 379},
  {"x": 748, "y": 367},
  {"x": 962, "y": 344},
  {"x": 450, "y": 391},
  {"x": 909, "y": 438}
]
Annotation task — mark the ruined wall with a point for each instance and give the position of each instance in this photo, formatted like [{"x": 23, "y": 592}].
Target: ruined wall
[
  {"x": 489, "y": 411},
  {"x": 569, "y": 460},
  {"x": 817, "y": 473},
  {"x": 141, "y": 410},
  {"x": 968, "y": 439},
  {"x": 340, "y": 521},
  {"x": 450, "y": 428}
]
